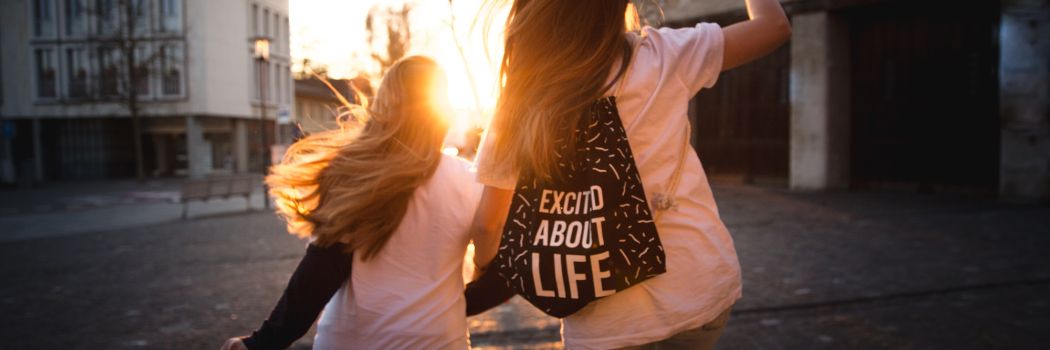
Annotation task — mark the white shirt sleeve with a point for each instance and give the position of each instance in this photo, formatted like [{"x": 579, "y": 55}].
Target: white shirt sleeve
[{"x": 692, "y": 55}]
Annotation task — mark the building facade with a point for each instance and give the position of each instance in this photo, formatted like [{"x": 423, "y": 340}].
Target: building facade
[
  {"x": 914, "y": 95},
  {"x": 316, "y": 106},
  {"x": 200, "y": 90}
]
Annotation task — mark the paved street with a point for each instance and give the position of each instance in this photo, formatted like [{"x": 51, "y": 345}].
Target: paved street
[
  {"x": 63, "y": 209},
  {"x": 821, "y": 271}
]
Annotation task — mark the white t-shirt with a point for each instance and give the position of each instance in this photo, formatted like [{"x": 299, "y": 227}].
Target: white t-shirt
[
  {"x": 703, "y": 274},
  {"x": 410, "y": 295}
]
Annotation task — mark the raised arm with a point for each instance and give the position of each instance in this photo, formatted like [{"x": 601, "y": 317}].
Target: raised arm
[
  {"x": 487, "y": 226},
  {"x": 765, "y": 31}
]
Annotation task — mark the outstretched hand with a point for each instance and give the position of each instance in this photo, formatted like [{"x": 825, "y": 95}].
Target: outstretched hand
[{"x": 234, "y": 343}]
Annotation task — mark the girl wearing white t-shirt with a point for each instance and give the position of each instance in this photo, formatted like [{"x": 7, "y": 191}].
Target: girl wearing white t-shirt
[
  {"x": 384, "y": 192},
  {"x": 559, "y": 57}
]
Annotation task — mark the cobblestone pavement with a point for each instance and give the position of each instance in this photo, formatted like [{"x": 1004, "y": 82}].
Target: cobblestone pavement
[{"x": 821, "y": 271}]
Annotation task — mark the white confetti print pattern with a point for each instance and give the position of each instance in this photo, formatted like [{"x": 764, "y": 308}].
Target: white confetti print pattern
[{"x": 634, "y": 253}]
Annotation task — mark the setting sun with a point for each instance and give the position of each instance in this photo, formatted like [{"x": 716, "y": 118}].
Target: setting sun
[{"x": 332, "y": 33}]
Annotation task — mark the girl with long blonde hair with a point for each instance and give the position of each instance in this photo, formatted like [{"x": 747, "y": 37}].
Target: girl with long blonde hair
[
  {"x": 380, "y": 194},
  {"x": 566, "y": 66}
]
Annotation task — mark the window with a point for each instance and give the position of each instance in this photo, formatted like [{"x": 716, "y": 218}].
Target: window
[
  {"x": 171, "y": 70},
  {"x": 109, "y": 71},
  {"x": 277, "y": 32},
  {"x": 46, "y": 73},
  {"x": 77, "y": 72},
  {"x": 273, "y": 82},
  {"x": 43, "y": 18},
  {"x": 287, "y": 85},
  {"x": 142, "y": 77},
  {"x": 108, "y": 21},
  {"x": 287, "y": 36},
  {"x": 170, "y": 16},
  {"x": 76, "y": 18},
  {"x": 265, "y": 30},
  {"x": 255, "y": 19},
  {"x": 278, "y": 82},
  {"x": 140, "y": 19},
  {"x": 281, "y": 86}
]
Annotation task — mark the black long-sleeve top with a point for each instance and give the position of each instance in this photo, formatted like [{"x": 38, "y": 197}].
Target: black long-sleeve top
[
  {"x": 320, "y": 274},
  {"x": 488, "y": 291}
]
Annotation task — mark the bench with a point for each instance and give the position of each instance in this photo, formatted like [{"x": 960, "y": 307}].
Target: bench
[{"x": 218, "y": 187}]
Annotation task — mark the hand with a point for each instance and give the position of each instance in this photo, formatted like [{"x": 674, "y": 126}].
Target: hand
[{"x": 234, "y": 343}]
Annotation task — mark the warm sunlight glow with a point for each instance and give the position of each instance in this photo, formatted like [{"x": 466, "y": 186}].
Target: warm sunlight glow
[
  {"x": 332, "y": 33},
  {"x": 262, "y": 49}
]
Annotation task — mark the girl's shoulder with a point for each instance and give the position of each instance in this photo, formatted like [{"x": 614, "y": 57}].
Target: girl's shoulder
[
  {"x": 455, "y": 169},
  {"x": 673, "y": 40},
  {"x": 459, "y": 178},
  {"x": 453, "y": 181},
  {"x": 455, "y": 163},
  {"x": 692, "y": 55}
]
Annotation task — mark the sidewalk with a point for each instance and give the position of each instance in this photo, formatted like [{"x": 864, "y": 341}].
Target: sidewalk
[
  {"x": 63, "y": 209},
  {"x": 85, "y": 195}
]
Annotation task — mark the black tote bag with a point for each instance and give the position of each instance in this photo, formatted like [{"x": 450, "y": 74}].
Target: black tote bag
[{"x": 568, "y": 242}]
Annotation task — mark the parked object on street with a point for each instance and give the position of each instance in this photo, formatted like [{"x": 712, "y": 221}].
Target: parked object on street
[{"x": 217, "y": 187}]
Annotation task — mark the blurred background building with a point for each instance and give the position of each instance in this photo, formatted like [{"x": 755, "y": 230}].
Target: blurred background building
[
  {"x": 869, "y": 94},
  {"x": 913, "y": 95},
  {"x": 316, "y": 104},
  {"x": 66, "y": 87}
]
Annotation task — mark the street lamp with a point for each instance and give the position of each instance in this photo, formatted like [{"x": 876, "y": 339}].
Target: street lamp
[
  {"x": 262, "y": 48},
  {"x": 262, "y": 56}
]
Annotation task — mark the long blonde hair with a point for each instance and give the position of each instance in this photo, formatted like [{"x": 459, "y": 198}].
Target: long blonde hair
[
  {"x": 557, "y": 57},
  {"x": 354, "y": 184}
]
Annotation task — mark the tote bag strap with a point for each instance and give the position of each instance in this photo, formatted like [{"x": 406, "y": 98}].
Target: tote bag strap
[
  {"x": 661, "y": 201},
  {"x": 665, "y": 202}
]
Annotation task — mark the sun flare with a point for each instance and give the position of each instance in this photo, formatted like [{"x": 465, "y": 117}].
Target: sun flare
[{"x": 463, "y": 36}]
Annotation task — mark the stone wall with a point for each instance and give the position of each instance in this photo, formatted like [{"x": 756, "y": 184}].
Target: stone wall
[{"x": 1024, "y": 76}]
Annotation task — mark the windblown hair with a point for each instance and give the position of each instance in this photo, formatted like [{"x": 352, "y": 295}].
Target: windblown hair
[
  {"x": 557, "y": 58},
  {"x": 354, "y": 184}
]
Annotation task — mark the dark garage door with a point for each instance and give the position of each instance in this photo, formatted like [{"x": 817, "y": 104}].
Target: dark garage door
[
  {"x": 742, "y": 123},
  {"x": 924, "y": 96}
]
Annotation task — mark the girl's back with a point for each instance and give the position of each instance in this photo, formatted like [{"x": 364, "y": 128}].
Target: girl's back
[
  {"x": 552, "y": 69},
  {"x": 703, "y": 274},
  {"x": 378, "y": 188},
  {"x": 410, "y": 294}
]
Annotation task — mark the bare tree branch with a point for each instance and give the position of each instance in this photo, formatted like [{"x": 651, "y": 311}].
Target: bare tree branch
[
  {"x": 398, "y": 34},
  {"x": 122, "y": 41}
]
